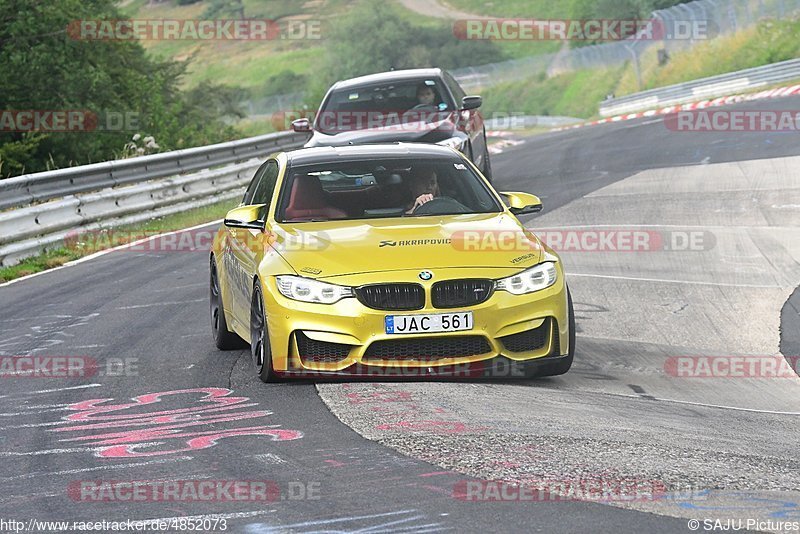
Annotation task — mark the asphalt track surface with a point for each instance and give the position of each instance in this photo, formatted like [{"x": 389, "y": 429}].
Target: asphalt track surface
[{"x": 149, "y": 310}]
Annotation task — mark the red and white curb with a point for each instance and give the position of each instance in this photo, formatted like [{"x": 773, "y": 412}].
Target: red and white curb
[
  {"x": 722, "y": 101},
  {"x": 497, "y": 148},
  {"x": 499, "y": 133}
]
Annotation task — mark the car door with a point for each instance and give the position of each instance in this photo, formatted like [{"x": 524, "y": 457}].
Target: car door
[
  {"x": 248, "y": 245},
  {"x": 470, "y": 122},
  {"x": 237, "y": 256}
]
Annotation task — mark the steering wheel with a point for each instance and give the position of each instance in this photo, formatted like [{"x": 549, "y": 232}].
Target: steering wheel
[
  {"x": 442, "y": 205},
  {"x": 431, "y": 107}
]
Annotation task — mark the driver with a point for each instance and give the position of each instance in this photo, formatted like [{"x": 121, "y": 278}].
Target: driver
[
  {"x": 424, "y": 186},
  {"x": 426, "y": 97}
]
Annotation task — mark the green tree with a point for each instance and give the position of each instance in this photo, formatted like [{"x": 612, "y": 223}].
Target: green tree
[
  {"x": 46, "y": 68},
  {"x": 225, "y": 8},
  {"x": 615, "y": 10},
  {"x": 376, "y": 38}
]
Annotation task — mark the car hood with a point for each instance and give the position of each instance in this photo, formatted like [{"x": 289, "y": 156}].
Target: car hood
[
  {"x": 335, "y": 248},
  {"x": 428, "y": 132}
]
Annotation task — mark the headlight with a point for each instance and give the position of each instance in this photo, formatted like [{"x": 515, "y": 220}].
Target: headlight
[
  {"x": 308, "y": 290},
  {"x": 453, "y": 142},
  {"x": 536, "y": 278}
]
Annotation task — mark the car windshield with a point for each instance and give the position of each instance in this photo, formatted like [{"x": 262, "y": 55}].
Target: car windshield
[
  {"x": 384, "y": 104},
  {"x": 377, "y": 189}
]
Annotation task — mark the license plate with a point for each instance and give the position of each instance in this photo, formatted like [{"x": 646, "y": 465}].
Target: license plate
[{"x": 423, "y": 324}]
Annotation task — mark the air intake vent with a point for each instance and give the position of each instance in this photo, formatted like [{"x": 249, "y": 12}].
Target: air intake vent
[
  {"x": 534, "y": 339},
  {"x": 315, "y": 351},
  {"x": 428, "y": 349}
]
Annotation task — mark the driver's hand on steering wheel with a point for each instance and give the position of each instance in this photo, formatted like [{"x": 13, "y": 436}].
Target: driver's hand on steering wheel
[{"x": 422, "y": 199}]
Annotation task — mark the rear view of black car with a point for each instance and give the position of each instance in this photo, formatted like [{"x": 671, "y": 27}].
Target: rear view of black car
[{"x": 419, "y": 105}]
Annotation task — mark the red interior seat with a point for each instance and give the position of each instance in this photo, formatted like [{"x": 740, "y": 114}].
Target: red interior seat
[{"x": 309, "y": 201}]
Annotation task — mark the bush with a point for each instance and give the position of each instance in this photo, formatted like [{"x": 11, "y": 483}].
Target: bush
[
  {"x": 376, "y": 38},
  {"x": 615, "y": 9},
  {"x": 15, "y": 155},
  {"x": 285, "y": 82}
]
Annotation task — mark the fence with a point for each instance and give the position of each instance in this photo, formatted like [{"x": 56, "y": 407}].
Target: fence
[
  {"x": 473, "y": 78},
  {"x": 266, "y": 106},
  {"x": 714, "y": 86},
  {"x": 718, "y": 17}
]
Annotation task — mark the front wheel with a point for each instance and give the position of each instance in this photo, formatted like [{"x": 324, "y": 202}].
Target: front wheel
[{"x": 260, "y": 348}]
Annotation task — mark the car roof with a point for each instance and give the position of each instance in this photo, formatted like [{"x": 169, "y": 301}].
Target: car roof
[
  {"x": 330, "y": 154},
  {"x": 390, "y": 76}
]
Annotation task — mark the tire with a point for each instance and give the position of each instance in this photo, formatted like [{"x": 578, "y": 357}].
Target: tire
[
  {"x": 224, "y": 339},
  {"x": 564, "y": 365},
  {"x": 260, "y": 348},
  {"x": 487, "y": 163}
]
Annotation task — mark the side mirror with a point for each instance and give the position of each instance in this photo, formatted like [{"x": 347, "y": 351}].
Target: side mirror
[
  {"x": 245, "y": 217},
  {"x": 471, "y": 102},
  {"x": 522, "y": 203},
  {"x": 301, "y": 125}
]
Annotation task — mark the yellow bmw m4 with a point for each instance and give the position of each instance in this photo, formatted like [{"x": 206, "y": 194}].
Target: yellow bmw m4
[{"x": 387, "y": 260}]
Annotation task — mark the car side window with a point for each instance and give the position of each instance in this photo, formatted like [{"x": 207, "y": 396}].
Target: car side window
[
  {"x": 458, "y": 92},
  {"x": 263, "y": 193},
  {"x": 266, "y": 187},
  {"x": 251, "y": 189}
]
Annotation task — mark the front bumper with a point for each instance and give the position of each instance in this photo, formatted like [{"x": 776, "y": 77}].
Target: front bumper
[{"x": 349, "y": 338}]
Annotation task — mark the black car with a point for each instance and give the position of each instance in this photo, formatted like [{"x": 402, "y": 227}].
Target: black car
[{"x": 419, "y": 105}]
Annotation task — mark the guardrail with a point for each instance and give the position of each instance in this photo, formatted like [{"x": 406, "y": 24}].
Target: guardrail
[
  {"x": 43, "y": 186},
  {"x": 47, "y": 207},
  {"x": 714, "y": 86}
]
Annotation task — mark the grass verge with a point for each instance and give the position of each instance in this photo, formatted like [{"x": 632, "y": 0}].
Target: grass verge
[{"x": 573, "y": 94}]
